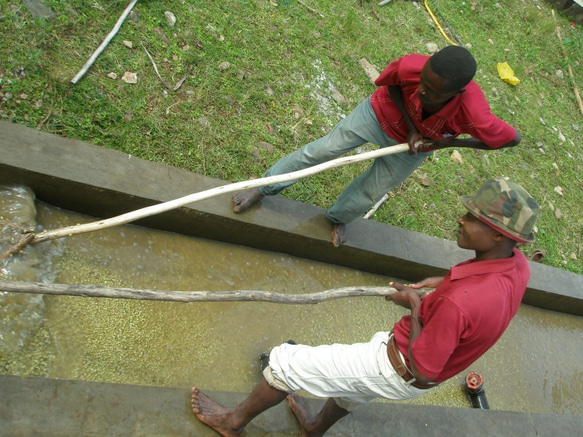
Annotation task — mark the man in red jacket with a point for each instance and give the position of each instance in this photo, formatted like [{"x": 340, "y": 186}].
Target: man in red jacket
[
  {"x": 423, "y": 101},
  {"x": 445, "y": 333}
]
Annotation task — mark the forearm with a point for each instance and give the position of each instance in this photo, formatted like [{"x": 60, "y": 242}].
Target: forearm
[{"x": 472, "y": 143}]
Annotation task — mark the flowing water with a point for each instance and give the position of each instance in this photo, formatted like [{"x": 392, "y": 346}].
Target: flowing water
[{"x": 535, "y": 367}]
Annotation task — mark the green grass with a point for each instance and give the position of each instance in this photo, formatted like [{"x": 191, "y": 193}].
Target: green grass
[{"x": 285, "y": 61}]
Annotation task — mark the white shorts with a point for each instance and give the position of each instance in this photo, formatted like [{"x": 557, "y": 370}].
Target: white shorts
[{"x": 351, "y": 374}]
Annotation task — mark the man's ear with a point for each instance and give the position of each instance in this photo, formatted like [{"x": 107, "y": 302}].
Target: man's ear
[{"x": 499, "y": 237}]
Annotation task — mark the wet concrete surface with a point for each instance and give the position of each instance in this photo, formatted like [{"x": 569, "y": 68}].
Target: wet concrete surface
[
  {"x": 48, "y": 407},
  {"x": 93, "y": 180},
  {"x": 34, "y": 406}
]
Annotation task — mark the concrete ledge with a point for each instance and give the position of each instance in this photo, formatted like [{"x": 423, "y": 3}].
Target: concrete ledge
[
  {"x": 38, "y": 406},
  {"x": 104, "y": 183}
]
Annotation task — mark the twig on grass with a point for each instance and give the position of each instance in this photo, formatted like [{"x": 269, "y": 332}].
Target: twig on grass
[
  {"x": 575, "y": 88},
  {"x": 166, "y": 84},
  {"x": 310, "y": 8},
  {"x": 105, "y": 42}
]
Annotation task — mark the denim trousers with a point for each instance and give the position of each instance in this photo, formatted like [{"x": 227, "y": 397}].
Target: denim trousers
[{"x": 361, "y": 126}]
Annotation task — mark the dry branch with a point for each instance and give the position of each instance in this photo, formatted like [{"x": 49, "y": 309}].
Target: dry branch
[
  {"x": 105, "y": 42},
  {"x": 575, "y": 88},
  {"x": 238, "y": 186},
  {"x": 195, "y": 296}
]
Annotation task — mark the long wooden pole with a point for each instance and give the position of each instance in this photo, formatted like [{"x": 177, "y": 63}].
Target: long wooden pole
[
  {"x": 105, "y": 42},
  {"x": 195, "y": 296},
  {"x": 570, "y": 70},
  {"x": 238, "y": 186}
]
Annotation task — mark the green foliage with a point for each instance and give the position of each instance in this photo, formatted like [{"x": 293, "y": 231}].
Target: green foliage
[{"x": 284, "y": 64}]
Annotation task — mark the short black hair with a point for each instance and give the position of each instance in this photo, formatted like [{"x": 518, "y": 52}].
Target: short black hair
[{"x": 455, "y": 65}]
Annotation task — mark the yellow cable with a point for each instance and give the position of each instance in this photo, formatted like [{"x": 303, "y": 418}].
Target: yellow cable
[{"x": 438, "y": 25}]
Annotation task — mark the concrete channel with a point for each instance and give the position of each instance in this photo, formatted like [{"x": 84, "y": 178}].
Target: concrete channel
[{"x": 103, "y": 183}]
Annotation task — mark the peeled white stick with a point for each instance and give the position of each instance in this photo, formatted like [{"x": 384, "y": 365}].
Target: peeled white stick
[
  {"x": 195, "y": 296},
  {"x": 237, "y": 186},
  {"x": 105, "y": 42}
]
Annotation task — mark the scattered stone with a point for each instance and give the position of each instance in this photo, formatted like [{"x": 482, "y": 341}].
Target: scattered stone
[
  {"x": 128, "y": 116},
  {"x": 224, "y": 65},
  {"x": 265, "y": 146},
  {"x": 339, "y": 98},
  {"x": 575, "y": 127},
  {"x": 424, "y": 180},
  {"x": 269, "y": 91},
  {"x": 38, "y": 9},
  {"x": 560, "y": 74},
  {"x": 369, "y": 70},
  {"x": 170, "y": 18},
  {"x": 456, "y": 157},
  {"x": 129, "y": 77},
  {"x": 539, "y": 144},
  {"x": 573, "y": 256},
  {"x": 204, "y": 122},
  {"x": 241, "y": 74},
  {"x": 298, "y": 111},
  {"x": 112, "y": 75},
  {"x": 561, "y": 137},
  {"x": 256, "y": 154},
  {"x": 556, "y": 167},
  {"x": 559, "y": 190},
  {"x": 558, "y": 214},
  {"x": 431, "y": 47},
  {"x": 128, "y": 44}
]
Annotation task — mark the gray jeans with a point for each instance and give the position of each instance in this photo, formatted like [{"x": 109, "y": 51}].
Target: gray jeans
[{"x": 385, "y": 173}]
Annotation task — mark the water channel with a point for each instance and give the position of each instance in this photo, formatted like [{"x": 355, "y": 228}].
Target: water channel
[{"x": 535, "y": 367}]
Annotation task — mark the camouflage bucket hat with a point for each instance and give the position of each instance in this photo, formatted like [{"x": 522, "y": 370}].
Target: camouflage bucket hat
[{"x": 505, "y": 206}]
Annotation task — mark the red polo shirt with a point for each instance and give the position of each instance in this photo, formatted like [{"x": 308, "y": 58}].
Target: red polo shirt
[
  {"x": 467, "y": 113},
  {"x": 465, "y": 315}
]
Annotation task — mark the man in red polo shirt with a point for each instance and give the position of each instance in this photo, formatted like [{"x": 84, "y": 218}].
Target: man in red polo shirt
[
  {"x": 446, "y": 332},
  {"x": 423, "y": 101}
]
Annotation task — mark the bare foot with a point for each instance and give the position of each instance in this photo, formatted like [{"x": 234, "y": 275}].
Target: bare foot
[
  {"x": 245, "y": 199},
  {"x": 339, "y": 234},
  {"x": 212, "y": 414},
  {"x": 300, "y": 408}
]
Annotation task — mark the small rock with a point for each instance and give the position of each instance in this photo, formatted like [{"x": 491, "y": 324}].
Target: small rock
[
  {"x": 170, "y": 18},
  {"x": 431, "y": 47},
  {"x": 369, "y": 70},
  {"x": 339, "y": 98},
  {"x": 269, "y": 91},
  {"x": 424, "y": 180},
  {"x": 265, "y": 146},
  {"x": 573, "y": 256},
  {"x": 298, "y": 111},
  {"x": 224, "y": 65},
  {"x": 112, "y": 75},
  {"x": 561, "y": 137},
  {"x": 560, "y": 74},
  {"x": 456, "y": 157},
  {"x": 204, "y": 122},
  {"x": 539, "y": 144},
  {"x": 256, "y": 154},
  {"x": 128, "y": 44},
  {"x": 129, "y": 77},
  {"x": 559, "y": 190},
  {"x": 558, "y": 214},
  {"x": 128, "y": 116},
  {"x": 575, "y": 127}
]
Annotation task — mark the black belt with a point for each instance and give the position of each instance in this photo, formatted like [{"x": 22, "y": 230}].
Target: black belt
[{"x": 400, "y": 367}]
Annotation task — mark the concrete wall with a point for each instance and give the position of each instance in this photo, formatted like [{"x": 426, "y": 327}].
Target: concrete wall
[{"x": 104, "y": 183}]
